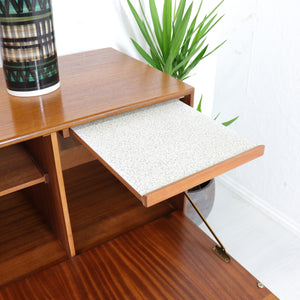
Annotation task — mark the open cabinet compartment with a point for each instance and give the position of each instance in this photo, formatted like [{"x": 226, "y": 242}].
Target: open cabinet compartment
[{"x": 27, "y": 242}]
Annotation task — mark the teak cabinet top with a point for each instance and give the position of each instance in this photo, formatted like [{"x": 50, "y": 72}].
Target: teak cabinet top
[{"x": 94, "y": 85}]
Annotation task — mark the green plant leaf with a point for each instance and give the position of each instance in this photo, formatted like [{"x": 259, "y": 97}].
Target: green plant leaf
[
  {"x": 156, "y": 22},
  {"x": 157, "y": 60},
  {"x": 145, "y": 55},
  {"x": 212, "y": 26},
  {"x": 144, "y": 30},
  {"x": 204, "y": 29},
  {"x": 180, "y": 33},
  {"x": 214, "y": 49},
  {"x": 194, "y": 62},
  {"x": 199, "y": 107},
  {"x": 188, "y": 57},
  {"x": 217, "y": 116},
  {"x": 175, "y": 46},
  {"x": 156, "y": 53},
  {"x": 178, "y": 37},
  {"x": 215, "y": 9},
  {"x": 190, "y": 32},
  {"x": 230, "y": 121},
  {"x": 167, "y": 27},
  {"x": 198, "y": 33},
  {"x": 178, "y": 16}
]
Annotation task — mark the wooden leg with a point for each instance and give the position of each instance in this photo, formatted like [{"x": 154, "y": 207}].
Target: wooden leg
[{"x": 50, "y": 198}]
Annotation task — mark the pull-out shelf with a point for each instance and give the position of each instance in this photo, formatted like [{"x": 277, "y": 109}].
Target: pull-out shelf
[{"x": 164, "y": 149}]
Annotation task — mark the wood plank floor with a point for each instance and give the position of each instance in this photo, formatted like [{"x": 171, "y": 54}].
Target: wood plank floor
[{"x": 169, "y": 258}]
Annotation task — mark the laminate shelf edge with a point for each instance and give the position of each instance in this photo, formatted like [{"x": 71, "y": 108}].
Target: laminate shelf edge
[{"x": 17, "y": 170}]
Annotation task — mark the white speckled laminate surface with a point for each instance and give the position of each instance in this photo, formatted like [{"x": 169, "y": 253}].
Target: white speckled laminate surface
[{"x": 159, "y": 144}]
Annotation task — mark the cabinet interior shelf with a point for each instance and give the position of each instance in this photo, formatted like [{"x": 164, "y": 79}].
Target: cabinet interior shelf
[
  {"x": 17, "y": 170},
  {"x": 27, "y": 243}
]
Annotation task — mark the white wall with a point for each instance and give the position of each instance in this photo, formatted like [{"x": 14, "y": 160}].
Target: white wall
[
  {"x": 93, "y": 24},
  {"x": 258, "y": 77}
]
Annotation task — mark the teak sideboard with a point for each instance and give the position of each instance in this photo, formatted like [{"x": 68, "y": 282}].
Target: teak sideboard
[{"x": 69, "y": 229}]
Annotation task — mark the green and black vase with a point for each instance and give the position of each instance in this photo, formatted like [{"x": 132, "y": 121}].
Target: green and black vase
[{"x": 28, "y": 47}]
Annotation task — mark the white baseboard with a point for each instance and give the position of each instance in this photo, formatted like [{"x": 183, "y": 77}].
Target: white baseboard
[{"x": 259, "y": 203}]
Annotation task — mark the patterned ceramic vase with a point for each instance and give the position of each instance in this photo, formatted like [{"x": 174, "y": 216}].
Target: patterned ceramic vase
[{"x": 28, "y": 47}]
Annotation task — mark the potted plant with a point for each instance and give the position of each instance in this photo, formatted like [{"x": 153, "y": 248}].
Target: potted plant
[{"x": 177, "y": 43}]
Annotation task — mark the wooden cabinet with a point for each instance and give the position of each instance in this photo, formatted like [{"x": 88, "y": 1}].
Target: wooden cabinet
[{"x": 71, "y": 227}]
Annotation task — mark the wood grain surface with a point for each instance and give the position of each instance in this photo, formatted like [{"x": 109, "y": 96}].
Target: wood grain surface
[
  {"x": 26, "y": 241},
  {"x": 169, "y": 258},
  {"x": 101, "y": 208},
  {"x": 94, "y": 85},
  {"x": 17, "y": 170}
]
